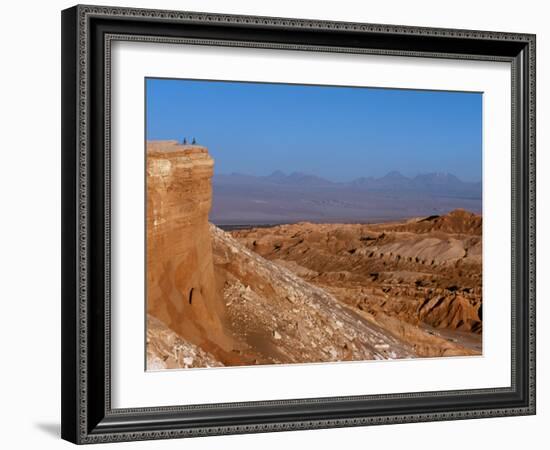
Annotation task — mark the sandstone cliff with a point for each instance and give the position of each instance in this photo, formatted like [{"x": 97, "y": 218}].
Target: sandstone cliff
[{"x": 181, "y": 287}]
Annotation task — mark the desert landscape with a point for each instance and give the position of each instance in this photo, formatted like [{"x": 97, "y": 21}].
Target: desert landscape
[
  {"x": 243, "y": 200},
  {"x": 241, "y": 272}
]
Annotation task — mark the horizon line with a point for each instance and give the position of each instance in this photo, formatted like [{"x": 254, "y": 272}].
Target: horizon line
[{"x": 298, "y": 172}]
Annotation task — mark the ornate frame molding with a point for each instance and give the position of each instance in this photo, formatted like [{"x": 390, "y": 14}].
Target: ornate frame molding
[{"x": 80, "y": 415}]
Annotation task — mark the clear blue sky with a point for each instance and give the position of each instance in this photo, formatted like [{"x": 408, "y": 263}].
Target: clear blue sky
[{"x": 339, "y": 133}]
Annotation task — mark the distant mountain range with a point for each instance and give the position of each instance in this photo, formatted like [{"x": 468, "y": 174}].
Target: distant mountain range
[
  {"x": 288, "y": 198},
  {"x": 433, "y": 184}
]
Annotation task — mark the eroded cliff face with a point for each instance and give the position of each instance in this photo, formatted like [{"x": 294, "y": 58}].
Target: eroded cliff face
[{"x": 181, "y": 287}]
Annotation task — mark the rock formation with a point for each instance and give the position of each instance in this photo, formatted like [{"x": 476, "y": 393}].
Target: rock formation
[
  {"x": 181, "y": 287},
  {"x": 283, "y": 319},
  {"x": 419, "y": 279},
  {"x": 167, "y": 350}
]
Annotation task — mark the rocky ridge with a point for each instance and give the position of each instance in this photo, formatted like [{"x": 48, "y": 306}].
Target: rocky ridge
[
  {"x": 419, "y": 275},
  {"x": 284, "y": 319}
]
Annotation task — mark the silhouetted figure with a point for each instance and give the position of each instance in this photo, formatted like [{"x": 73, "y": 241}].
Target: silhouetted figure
[
  {"x": 194, "y": 141},
  {"x": 184, "y": 141}
]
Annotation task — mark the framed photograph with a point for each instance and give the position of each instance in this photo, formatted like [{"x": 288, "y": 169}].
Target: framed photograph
[{"x": 278, "y": 224}]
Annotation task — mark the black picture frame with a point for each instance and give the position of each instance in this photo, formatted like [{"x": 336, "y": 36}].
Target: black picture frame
[{"x": 87, "y": 415}]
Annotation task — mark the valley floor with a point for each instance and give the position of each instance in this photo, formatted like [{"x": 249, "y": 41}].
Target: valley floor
[{"x": 307, "y": 292}]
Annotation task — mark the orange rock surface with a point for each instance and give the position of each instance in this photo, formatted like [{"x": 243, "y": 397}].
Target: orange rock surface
[{"x": 181, "y": 288}]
